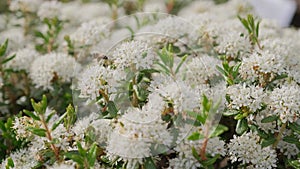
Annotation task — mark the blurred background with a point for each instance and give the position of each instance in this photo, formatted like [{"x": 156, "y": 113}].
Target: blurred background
[{"x": 292, "y": 20}]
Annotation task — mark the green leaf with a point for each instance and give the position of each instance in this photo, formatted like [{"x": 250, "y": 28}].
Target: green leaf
[
  {"x": 180, "y": 64},
  {"x": 49, "y": 117},
  {"x": 220, "y": 129},
  {"x": 195, "y": 154},
  {"x": 41, "y": 35},
  {"x": 242, "y": 126},
  {"x": 32, "y": 115},
  {"x": 56, "y": 124},
  {"x": 8, "y": 59},
  {"x": 41, "y": 106},
  {"x": 222, "y": 71},
  {"x": 195, "y": 136},
  {"x": 268, "y": 141},
  {"x": 295, "y": 127},
  {"x": 230, "y": 112},
  {"x": 81, "y": 151},
  {"x": 75, "y": 157},
  {"x": 112, "y": 109},
  {"x": 269, "y": 119},
  {"x": 295, "y": 164},
  {"x": 37, "y": 131},
  {"x": 210, "y": 161},
  {"x": 3, "y": 48},
  {"x": 149, "y": 163},
  {"x": 70, "y": 118},
  {"x": 10, "y": 163},
  {"x": 291, "y": 139},
  {"x": 92, "y": 154}
]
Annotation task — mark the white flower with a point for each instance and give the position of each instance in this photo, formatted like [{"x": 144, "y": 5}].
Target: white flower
[
  {"x": 136, "y": 54},
  {"x": 82, "y": 124},
  {"x": 91, "y": 32},
  {"x": 177, "y": 92},
  {"x": 180, "y": 163},
  {"x": 102, "y": 130},
  {"x": 285, "y": 102},
  {"x": 97, "y": 77},
  {"x": 25, "y": 5},
  {"x": 62, "y": 166},
  {"x": 16, "y": 39},
  {"x": 246, "y": 96},
  {"x": 246, "y": 149},
  {"x": 200, "y": 70},
  {"x": 288, "y": 149},
  {"x": 48, "y": 67},
  {"x": 22, "y": 60},
  {"x": 49, "y": 9},
  {"x": 258, "y": 65},
  {"x": 72, "y": 11},
  {"x": 22, "y": 159}
]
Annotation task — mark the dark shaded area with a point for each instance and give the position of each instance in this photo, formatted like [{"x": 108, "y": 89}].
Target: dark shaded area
[{"x": 296, "y": 20}]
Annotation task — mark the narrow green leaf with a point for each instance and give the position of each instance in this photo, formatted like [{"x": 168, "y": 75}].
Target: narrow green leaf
[
  {"x": 3, "y": 48},
  {"x": 220, "y": 129},
  {"x": 32, "y": 115},
  {"x": 180, "y": 64},
  {"x": 112, "y": 109},
  {"x": 230, "y": 112},
  {"x": 269, "y": 119},
  {"x": 291, "y": 139},
  {"x": 195, "y": 136},
  {"x": 92, "y": 154},
  {"x": 37, "y": 131},
  {"x": 267, "y": 142},
  {"x": 49, "y": 117},
  {"x": 149, "y": 163},
  {"x": 195, "y": 154},
  {"x": 8, "y": 59},
  {"x": 295, "y": 164},
  {"x": 210, "y": 161},
  {"x": 56, "y": 124},
  {"x": 242, "y": 126},
  {"x": 81, "y": 151},
  {"x": 295, "y": 127},
  {"x": 75, "y": 157}
]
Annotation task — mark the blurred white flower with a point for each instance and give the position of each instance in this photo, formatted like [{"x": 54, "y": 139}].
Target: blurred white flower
[
  {"x": 22, "y": 60},
  {"x": 53, "y": 66},
  {"x": 49, "y": 9}
]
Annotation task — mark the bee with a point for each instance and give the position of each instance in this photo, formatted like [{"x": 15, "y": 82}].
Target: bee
[{"x": 101, "y": 58}]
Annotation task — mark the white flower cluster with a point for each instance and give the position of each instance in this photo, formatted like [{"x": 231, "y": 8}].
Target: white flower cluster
[
  {"x": 154, "y": 87},
  {"x": 49, "y": 9},
  {"x": 285, "y": 102},
  {"x": 243, "y": 96},
  {"x": 25, "y": 5},
  {"x": 247, "y": 149},
  {"x": 23, "y": 59},
  {"x": 51, "y": 67}
]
